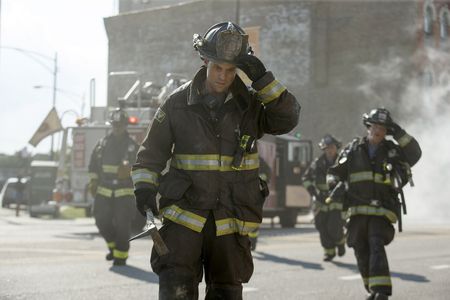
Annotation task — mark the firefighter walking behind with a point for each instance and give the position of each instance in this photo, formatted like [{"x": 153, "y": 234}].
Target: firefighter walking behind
[
  {"x": 327, "y": 216},
  {"x": 111, "y": 185},
  {"x": 210, "y": 196},
  {"x": 375, "y": 170}
]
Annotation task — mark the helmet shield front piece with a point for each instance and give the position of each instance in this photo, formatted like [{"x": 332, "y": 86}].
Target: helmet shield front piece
[
  {"x": 223, "y": 42},
  {"x": 380, "y": 116}
]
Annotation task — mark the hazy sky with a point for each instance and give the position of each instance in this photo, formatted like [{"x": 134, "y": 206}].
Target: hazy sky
[{"x": 73, "y": 29}]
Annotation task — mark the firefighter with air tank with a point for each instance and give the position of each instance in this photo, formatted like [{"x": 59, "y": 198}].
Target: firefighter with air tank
[
  {"x": 328, "y": 217},
  {"x": 375, "y": 169},
  {"x": 111, "y": 185}
]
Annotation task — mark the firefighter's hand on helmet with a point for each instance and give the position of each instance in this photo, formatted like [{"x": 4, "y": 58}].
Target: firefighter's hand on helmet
[
  {"x": 395, "y": 130},
  {"x": 251, "y": 66},
  {"x": 146, "y": 199},
  {"x": 92, "y": 186}
]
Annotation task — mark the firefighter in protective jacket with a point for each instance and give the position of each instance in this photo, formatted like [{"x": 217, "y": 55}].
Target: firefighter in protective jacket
[
  {"x": 375, "y": 169},
  {"x": 210, "y": 196},
  {"x": 112, "y": 187},
  {"x": 327, "y": 216}
]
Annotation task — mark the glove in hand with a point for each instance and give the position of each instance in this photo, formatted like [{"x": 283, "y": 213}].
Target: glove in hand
[
  {"x": 252, "y": 67},
  {"x": 146, "y": 199},
  {"x": 395, "y": 129}
]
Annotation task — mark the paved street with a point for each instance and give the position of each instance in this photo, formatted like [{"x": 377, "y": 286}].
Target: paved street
[{"x": 64, "y": 259}]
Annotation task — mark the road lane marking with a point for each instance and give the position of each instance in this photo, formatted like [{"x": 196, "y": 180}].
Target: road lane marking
[
  {"x": 249, "y": 289},
  {"x": 440, "y": 267},
  {"x": 350, "y": 277}
]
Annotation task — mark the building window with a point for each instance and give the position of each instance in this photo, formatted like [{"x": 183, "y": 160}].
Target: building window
[
  {"x": 444, "y": 22},
  {"x": 428, "y": 18}
]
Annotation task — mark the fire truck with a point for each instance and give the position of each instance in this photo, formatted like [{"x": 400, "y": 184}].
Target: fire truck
[{"x": 286, "y": 155}]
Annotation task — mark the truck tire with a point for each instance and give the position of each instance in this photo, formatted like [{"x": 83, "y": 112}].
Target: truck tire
[{"x": 288, "y": 219}]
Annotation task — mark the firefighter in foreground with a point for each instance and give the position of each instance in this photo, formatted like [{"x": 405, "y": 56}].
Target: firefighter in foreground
[
  {"x": 210, "y": 196},
  {"x": 375, "y": 170},
  {"x": 111, "y": 185},
  {"x": 327, "y": 216}
]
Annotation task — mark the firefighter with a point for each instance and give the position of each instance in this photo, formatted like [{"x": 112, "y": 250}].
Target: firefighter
[
  {"x": 327, "y": 216},
  {"x": 111, "y": 185},
  {"x": 374, "y": 169},
  {"x": 264, "y": 178},
  {"x": 210, "y": 196}
]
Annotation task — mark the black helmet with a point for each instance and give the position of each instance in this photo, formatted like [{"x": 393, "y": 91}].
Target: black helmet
[
  {"x": 379, "y": 116},
  {"x": 328, "y": 140},
  {"x": 118, "y": 116},
  {"x": 223, "y": 42}
]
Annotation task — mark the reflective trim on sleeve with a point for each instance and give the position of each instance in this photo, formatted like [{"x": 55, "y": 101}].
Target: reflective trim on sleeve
[
  {"x": 372, "y": 211},
  {"x": 92, "y": 176},
  {"x": 212, "y": 162},
  {"x": 404, "y": 140},
  {"x": 184, "y": 217},
  {"x": 144, "y": 175},
  {"x": 253, "y": 234},
  {"x": 124, "y": 192},
  {"x": 112, "y": 169},
  {"x": 271, "y": 92},
  {"x": 331, "y": 206},
  {"x": 379, "y": 280},
  {"x": 233, "y": 225},
  {"x": 120, "y": 254},
  {"x": 104, "y": 191}
]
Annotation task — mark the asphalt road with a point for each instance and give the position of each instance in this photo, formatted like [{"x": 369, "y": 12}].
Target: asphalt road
[{"x": 64, "y": 259}]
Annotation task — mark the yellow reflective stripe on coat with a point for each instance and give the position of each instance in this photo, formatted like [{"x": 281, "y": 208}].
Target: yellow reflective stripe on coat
[
  {"x": 92, "y": 176},
  {"x": 233, "y": 225},
  {"x": 322, "y": 186},
  {"x": 307, "y": 184},
  {"x": 404, "y": 140},
  {"x": 212, "y": 162},
  {"x": 184, "y": 217},
  {"x": 271, "y": 92},
  {"x": 144, "y": 175},
  {"x": 111, "y": 245},
  {"x": 380, "y": 280},
  {"x": 361, "y": 176},
  {"x": 104, "y": 191},
  {"x": 120, "y": 254},
  {"x": 329, "y": 251},
  {"x": 331, "y": 206},
  {"x": 372, "y": 211},
  {"x": 123, "y": 192},
  {"x": 113, "y": 169},
  {"x": 369, "y": 176}
]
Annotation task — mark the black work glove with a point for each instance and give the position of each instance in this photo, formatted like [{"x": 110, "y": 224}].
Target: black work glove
[
  {"x": 395, "y": 130},
  {"x": 252, "y": 67},
  {"x": 146, "y": 199}
]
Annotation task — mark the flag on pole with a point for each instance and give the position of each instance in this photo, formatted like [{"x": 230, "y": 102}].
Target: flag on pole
[{"x": 50, "y": 125}]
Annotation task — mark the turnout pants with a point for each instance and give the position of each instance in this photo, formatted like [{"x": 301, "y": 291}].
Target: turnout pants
[
  {"x": 113, "y": 217},
  {"x": 225, "y": 260},
  {"x": 368, "y": 235},
  {"x": 331, "y": 230}
]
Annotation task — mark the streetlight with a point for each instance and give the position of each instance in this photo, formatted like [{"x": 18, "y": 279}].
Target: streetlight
[{"x": 37, "y": 57}]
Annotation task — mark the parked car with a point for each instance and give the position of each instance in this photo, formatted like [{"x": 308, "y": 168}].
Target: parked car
[{"x": 9, "y": 192}]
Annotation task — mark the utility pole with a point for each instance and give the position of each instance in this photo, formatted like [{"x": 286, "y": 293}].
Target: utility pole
[{"x": 55, "y": 72}]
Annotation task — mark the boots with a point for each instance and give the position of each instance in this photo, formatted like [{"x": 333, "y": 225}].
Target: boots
[
  {"x": 376, "y": 296},
  {"x": 341, "y": 250},
  {"x": 328, "y": 257},
  {"x": 119, "y": 261}
]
